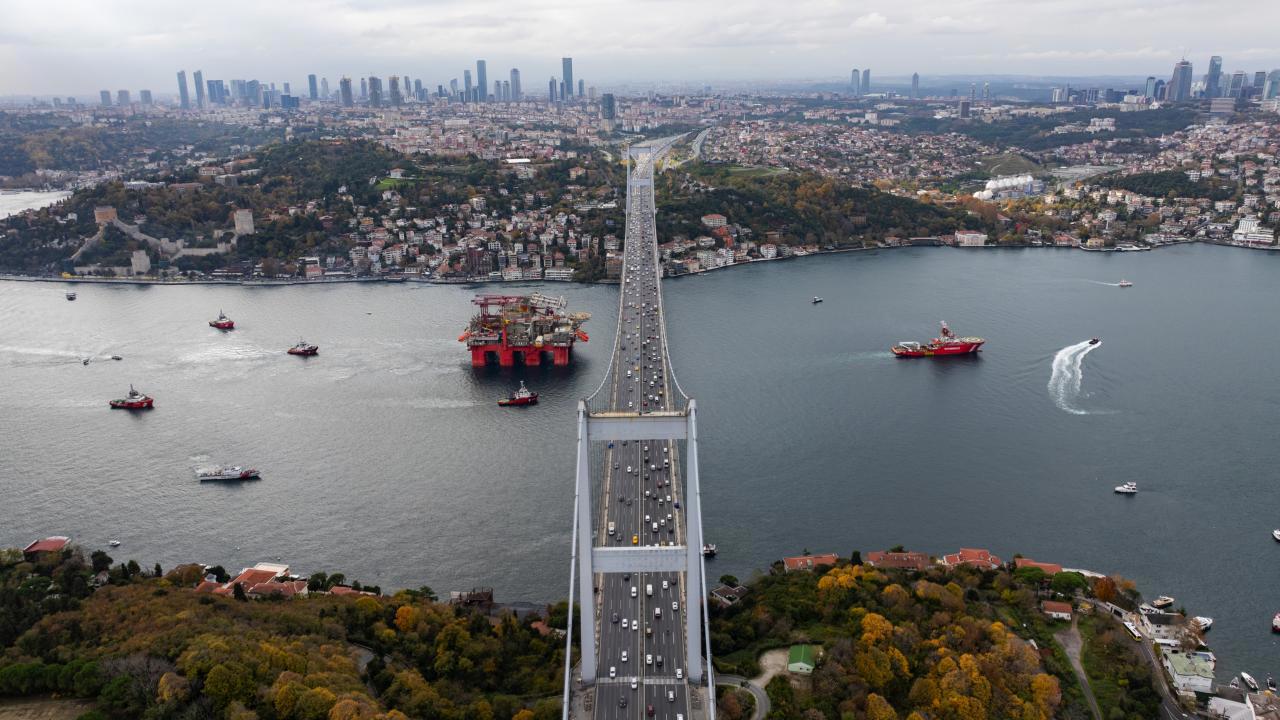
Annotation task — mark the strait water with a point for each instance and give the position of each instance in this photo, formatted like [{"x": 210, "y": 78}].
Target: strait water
[
  {"x": 386, "y": 457},
  {"x": 13, "y": 202}
]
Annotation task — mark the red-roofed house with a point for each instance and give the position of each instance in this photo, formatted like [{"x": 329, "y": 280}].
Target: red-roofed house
[
  {"x": 899, "y": 560},
  {"x": 1056, "y": 610},
  {"x": 343, "y": 590},
  {"x": 808, "y": 562},
  {"x": 54, "y": 544},
  {"x": 1048, "y": 568},
  {"x": 260, "y": 581},
  {"x": 975, "y": 557}
]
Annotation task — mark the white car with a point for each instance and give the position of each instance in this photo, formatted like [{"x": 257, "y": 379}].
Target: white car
[
  {"x": 634, "y": 592},
  {"x": 648, "y": 659},
  {"x": 674, "y": 606},
  {"x": 624, "y": 656},
  {"x": 679, "y": 673},
  {"x": 635, "y": 624},
  {"x": 613, "y": 671},
  {"x": 665, "y": 585}
]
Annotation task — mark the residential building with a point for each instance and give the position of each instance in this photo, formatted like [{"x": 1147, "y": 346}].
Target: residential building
[
  {"x": 53, "y": 544},
  {"x": 1056, "y": 610},
  {"x": 1190, "y": 672},
  {"x": 802, "y": 659},
  {"x": 808, "y": 562},
  {"x": 897, "y": 560},
  {"x": 974, "y": 557}
]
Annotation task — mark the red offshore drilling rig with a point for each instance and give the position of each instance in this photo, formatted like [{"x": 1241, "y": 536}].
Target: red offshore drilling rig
[{"x": 523, "y": 325}]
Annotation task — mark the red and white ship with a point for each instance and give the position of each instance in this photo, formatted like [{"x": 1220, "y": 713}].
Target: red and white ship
[
  {"x": 223, "y": 322},
  {"x": 133, "y": 401},
  {"x": 302, "y": 348},
  {"x": 946, "y": 344},
  {"x": 523, "y": 396}
]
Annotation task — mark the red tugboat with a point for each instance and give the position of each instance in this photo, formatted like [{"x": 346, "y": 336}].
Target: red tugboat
[
  {"x": 521, "y": 397},
  {"x": 223, "y": 322},
  {"x": 134, "y": 401},
  {"x": 946, "y": 344},
  {"x": 303, "y": 349}
]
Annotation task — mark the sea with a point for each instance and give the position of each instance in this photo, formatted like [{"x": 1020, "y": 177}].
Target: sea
[
  {"x": 387, "y": 458},
  {"x": 13, "y": 202}
]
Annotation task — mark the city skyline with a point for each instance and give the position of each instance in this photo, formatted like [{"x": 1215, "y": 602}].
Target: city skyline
[{"x": 39, "y": 54}]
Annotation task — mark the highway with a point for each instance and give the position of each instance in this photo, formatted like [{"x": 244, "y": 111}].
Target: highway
[{"x": 640, "y": 616}]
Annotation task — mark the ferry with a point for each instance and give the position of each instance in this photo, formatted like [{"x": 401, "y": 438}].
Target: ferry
[
  {"x": 519, "y": 398},
  {"x": 709, "y": 550},
  {"x": 1129, "y": 488},
  {"x": 223, "y": 322},
  {"x": 1162, "y": 602},
  {"x": 71, "y": 296},
  {"x": 133, "y": 401},
  {"x": 946, "y": 344},
  {"x": 227, "y": 473},
  {"x": 302, "y": 348},
  {"x": 1124, "y": 283}
]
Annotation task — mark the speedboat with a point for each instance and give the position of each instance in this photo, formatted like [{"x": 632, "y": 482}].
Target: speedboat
[
  {"x": 133, "y": 401},
  {"x": 1202, "y": 622},
  {"x": 1235, "y": 682},
  {"x": 816, "y": 300},
  {"x": 223, "y": 322},
  {"x": 519, "y": 398},
  {"x": 85, "y": 361},
  {"x": 1275, "y": 622},
  {"x": 709, "y": 550},
  {"x": 1124, "y": 283},
  {"x": 114, "y": 543},
  {"x": 302, "y": 348},
  {"x": 1276, "y": 534},
  {"x": 1129, "y": 488},
  {"x": 1162, "y": 602},
  {"x": 1094, "y": 341},
  {"x": 116, "y": 357},
  {"x": 1248, "y": 680},
  {"x": 220, "y": 472},
  {"x": 71, "y": 296}
]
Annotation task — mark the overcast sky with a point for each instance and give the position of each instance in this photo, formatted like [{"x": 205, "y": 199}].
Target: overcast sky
[{"x": 80, "y": 46}]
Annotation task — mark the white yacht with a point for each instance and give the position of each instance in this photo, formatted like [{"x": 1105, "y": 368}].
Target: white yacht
[{"x": 1129, "y": 488}]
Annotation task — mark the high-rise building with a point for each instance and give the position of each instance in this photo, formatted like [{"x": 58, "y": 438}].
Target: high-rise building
[
  {"x": 393, "y": 87},
  {"x": 1179, "y": 88},
  {"x": 1259, "y": 83},
  {"x": 564, "y": 92},
  {"x": 253, "y": 95},
  {"x": 144, "y": 97},
  {"x": 497, "y": 90},
  {"x": 313, "y": 91},
  {"x": 1162, "y": 90},
  {"x": 287, "y": 91},
  {"x": 986, "y": 92},
  {"x": 582, "y": 88},
  {"x": 324, "y": 88},
  {"x": 964, "y": 108},
  {"x": 1150, "y": 91},
  {"x": 482, "y": 81},
  {"x": 608, "y": 107},
  {"x": 184, "y": 100},
  {"x": 198, "y": 78},
  {"x": 344, "y": 89},
  {"x": 375, "y": 91},
  {"x": 915, "y": 85},
  {"x": 506, "y": 90},
  {"x": 973, "y": 93},
  {"x": 1237, "y": 84},
  {"x": 122, "y": 98},
  {"x": 566, "y": 67},
  {"x": 466, "y": 85},
  {"x": 105, "y": 96},
  {"x": 364, "y": 89},
  {"x": 515, "y": 84},
  {"x": 551, "y": 91},
  {"x": 855, "y": 82},
  {"x": 866, "y": 81},
  {"x": 1272, "y": 88},
  {"x": 1213, "y": 78},
  {"x": 217, "y": 91}
]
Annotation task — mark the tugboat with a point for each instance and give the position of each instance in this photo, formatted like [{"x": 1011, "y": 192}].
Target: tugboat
[
  {"x": 223, "y": 322},
  {"x": 71, "y": 296},
  {"x": 946, "y": 344},
  {"x": 133, "y": 401},
  {"x": 1129, "y": 488},
  {"x": 709, "y": 550},
  {"x": 227, "y": 473},
  {"x": 1124, "y": 283},
  {"x": 519, "y": 398},
  {"x": 816, "y": 300},
  {"x": 302, "y": 348}
]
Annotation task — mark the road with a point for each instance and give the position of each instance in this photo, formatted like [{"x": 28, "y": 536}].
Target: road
[
  {"x": 641, "y": 626},
  {"x": 761, "y": 697}
]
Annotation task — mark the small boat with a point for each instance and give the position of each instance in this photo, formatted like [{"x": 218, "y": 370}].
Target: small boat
[
  {"x": 1162, "y": 602},
  {"x": 1275, "y": 622},
  {"x": 1271, "y": 683},
  {"x": 1094, "y": 341},
  {"x": 223, "y": 322},
  {"x": 116, "y": 357},
  {"x": 221, "y": 472},
  {"x": 71, "y": 296},
  {"x": 85, "y": 361},
  {"x": 302, "y": 348},
  {"x": 816, "y": 300},
  {"x": 1276, "y": 534},
  {"x": 523, "y": 396},
  {"x": 1248, "y": 680},
  {"x": 1202, "y": 622},
  {"x": 1124, "y": 283},
  {"x": 133, "y": 401},
  {"x": 709, "y": 550},
  {"x": 114, "y": 543},
  {"x": 1235, "y": 683},
  {"x": 1129, "y": 488}
]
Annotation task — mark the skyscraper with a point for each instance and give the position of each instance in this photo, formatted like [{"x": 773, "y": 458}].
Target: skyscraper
[
  {"x": 1259, "y": 83},
  {"x": 915, "y": 85},
  {"x": 394, "y": 88},
  {"x": 482, "y": 81},
  {"x": 566, "y": 66},
  {"x": 506, "y": 90},
  {"x": 144, "y": 97},
  {"x": 1272, "y": 88},
  {"x": 608, "y": 107},
  {"x": 375, "y": 91},
  {"x": 515, "y": 84},
  {"x": 364, "y": 89},
  {"x": 105, "y": 96},
  {"x": 183, "y": 99},
  {"x": 198, "y": 78},
  {"x": 855, "y": 82},
  {"x": 466, "y": 86},
  {"x": 1179, "y": 87},
  {"x": 122, "y": 98},
  {"x": 314, "y": 92},
  {"x": 344, "y": 89},
  {"x": 1237, "y": 84},
  {"x": 551, "y": 92},
  {"x": 1213, "y": 78},
  {"x": 866, "y": 81},
  {"x": 324, "y": 88},
  {"x": 582, "y": 88},
  {"x": 1150, "y": 91}
]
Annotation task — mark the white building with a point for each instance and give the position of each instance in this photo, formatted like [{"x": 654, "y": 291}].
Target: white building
[
  {"x": 970, "y": 238},
  {"x": 244, "y": 222},
  {"x": 1190, "y": 672},
  {"x": 140, "y": 262}
]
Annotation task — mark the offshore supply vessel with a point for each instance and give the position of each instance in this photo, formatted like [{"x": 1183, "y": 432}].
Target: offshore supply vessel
[
  {"x": 524, "y": 327},
  {"x": 946, "y": 344}
]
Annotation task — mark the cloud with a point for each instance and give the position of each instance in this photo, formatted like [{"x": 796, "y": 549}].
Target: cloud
[
  {"x": 871, "y": 21},
  {"x": 947, "y": 25}
]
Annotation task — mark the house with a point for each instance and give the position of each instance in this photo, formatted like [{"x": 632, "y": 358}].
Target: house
[
  {"x": 801, "y": 659},
  {"x": 260, "y": 581},
  {"x": 970, "y": 238},
  {"x": 976, "y": 557},
  {"x": 1191, "y": 672},
  {"x": 714, "y": 220},
  {"x": 898, "y": 560},
  {"x": 808, "y": 562},
  {"x": 54, "y": 544},
  {"x": 1232, "y": 704},
  {"x": 726, "y": 595},
  {"x": 1048, "y": 568},
  {"x": 1056, "y": 610}
]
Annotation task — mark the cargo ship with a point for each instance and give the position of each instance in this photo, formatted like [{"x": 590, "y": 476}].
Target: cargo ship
[
  {"x": 946, "y": 344},
  {"x": 522, "y": 328}
]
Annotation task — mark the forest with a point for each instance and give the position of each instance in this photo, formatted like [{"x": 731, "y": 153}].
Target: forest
[
  {"x": 1172, "y": 184},
  {"x": 1034, "y": 133}
]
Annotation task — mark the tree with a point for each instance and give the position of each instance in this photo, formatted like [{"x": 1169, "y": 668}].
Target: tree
[
  {"x": 1104, "y": 588},
  {"x": 729, "y": 580},
  {"x": 855, "y": 558},
  {"x": 1068, "y": 583},
  {"x": 879, "y": 709},
  {"x": 101, "y": 561},
  {"x": 157, "y": 572},
  {"x": 237, "y": 591}
]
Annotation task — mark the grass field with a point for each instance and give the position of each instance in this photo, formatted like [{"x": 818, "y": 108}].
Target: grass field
[
  {"x": 1007, "y": 164},
  {"x": 43, "y": 709},
  {"x": 393, "y": 183}
]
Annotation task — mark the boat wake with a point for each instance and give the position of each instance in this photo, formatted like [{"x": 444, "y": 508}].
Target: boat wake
[
  {"x": 1068, "y": 372},
  {"x": 1099, "y": 282}
]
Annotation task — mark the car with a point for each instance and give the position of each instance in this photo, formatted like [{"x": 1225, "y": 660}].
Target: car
[
  {"x": 614, "y": 619},
  {"x": 613, "y": 671},
  {"x": 622, "y": 702},
  {"x": 634, "y": 685},
  {"x": 658, "y": 661},
  {"x": 626, "y": 577},
  {"x": 649, "y": 711},
  {"x": 634, "y": 591},
  {"x": 679, "y": 673},
  {"x": 675, "y": 504},
  {"x": 665, "y": 585},
  {"x": 635, "y": 624},
  {"x": 635, "y": 540},
  {"x": 675, "y": 606},
  {"x": 671, "y": 696},
  {"x": 648, "y": 659},
  {"x": 624, "y": 656}
]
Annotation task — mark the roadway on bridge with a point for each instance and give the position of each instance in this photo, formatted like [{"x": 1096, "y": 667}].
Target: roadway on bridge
[{"x": 640, "y": 615}]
